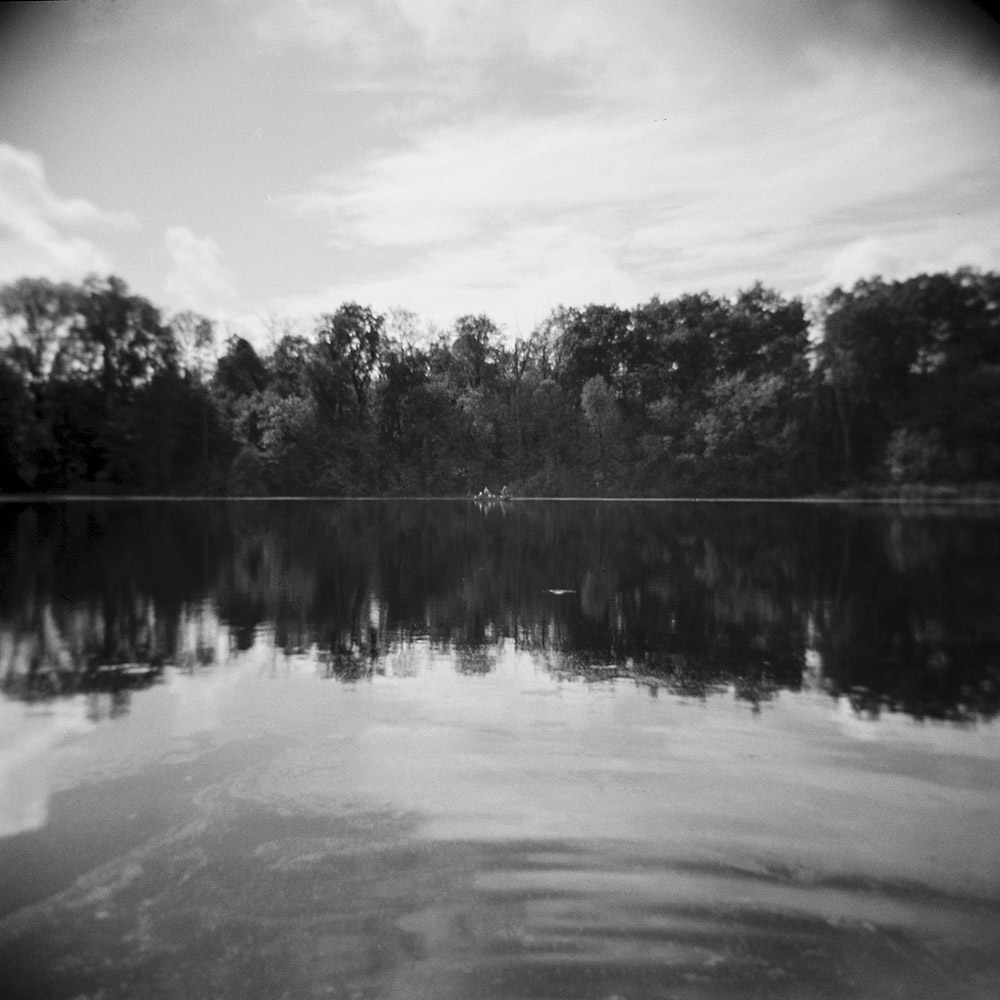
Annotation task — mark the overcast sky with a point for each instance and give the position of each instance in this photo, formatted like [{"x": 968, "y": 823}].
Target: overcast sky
[{"x": 254, "y": 157}]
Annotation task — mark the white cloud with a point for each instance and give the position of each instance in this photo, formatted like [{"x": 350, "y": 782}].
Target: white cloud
[
  {"x": 626, "y": 51},
  {"x": 866, "y": 258},
  {"x": 508, "y": 155},
  {"x": 197, "y": 279},
  {"x": 37, "y": 226},
  {"x": 466, "y": 30},
  {"x": 456, "y": 30},
  {"x": 945, "y": 247},
  {"x": 29, "y": 756},
  {"x": 516, "y": 279},
  {"x": 984, "y": 255},
  {"x": 432, "y": 57},
  {"x": 359, "y": 34},
  {"x": 857, "y": 171}
]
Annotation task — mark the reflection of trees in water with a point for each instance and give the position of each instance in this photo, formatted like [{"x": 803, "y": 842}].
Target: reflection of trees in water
[
  {"x": 347, "y": 665},
  {"x": 95, "y": 601},
  {"x": 897, "y": 611},
  {"x": 686, "y": 674},
  {"x": 691, "y": 603},
  {"x": 81, "y": 652},
  {"x": 475, "y": 660},
  {"x": 100, "y": 650},
  {"x": 913, "y": 624}
]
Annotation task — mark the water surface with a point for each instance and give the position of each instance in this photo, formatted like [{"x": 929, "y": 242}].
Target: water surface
[{"x": 532, "y": 749}]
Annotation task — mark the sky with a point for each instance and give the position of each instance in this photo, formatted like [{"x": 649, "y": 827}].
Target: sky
[{"x": 258, "y": 159}]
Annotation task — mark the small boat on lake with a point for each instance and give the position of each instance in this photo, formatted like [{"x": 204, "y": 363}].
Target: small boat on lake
[{"x": 486, "y": 495}]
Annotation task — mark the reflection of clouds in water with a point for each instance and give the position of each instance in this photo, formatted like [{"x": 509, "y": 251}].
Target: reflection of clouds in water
[
  {"x": 457, "y": 675},
  {"x": 203, "y": 699},
  {"x": 889, "y": 728},
  {"x": 406, "y": 659},
  {"x": 518, "y": 754},
  {"x": 199, "y": 699},
  {"x": 859, "y": 727},
  {"x": 27, "y": 740}
]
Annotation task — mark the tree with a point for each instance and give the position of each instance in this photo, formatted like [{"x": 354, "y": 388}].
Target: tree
[
  {"x": 195, "y": 337},
  {"x": 545, "y": 427},
  {"x": 123, "y": 340},
  {"x": 84, "y": 355},
  {"x": 603, "y": 418},
  {"x": 764, "y": 334},
  {"x": 348, "y": 344},
  {"x": 699, "y": 393},
  {"x": 548, "y": 343},
  {"x": 592, "y": 343},
  {"x": 403, "y": 371},
  {"x": 289, "y": 366},
  {"x": 474, "y": 353},
  {"x": 240, "y": 371},
  {"x": 38, "y": 319},
  {"x": 682, "y": 333},
  {"x": 18, "y": 429},
  {"x": 919, "y": 355}
]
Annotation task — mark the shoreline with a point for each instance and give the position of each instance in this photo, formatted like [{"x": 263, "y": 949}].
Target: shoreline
[{"x": 937, "y": 496}]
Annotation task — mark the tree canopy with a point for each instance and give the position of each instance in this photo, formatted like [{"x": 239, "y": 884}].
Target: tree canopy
[{"x": 875, "y": 386}]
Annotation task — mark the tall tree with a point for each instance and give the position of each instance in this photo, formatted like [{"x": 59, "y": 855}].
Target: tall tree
[
  {"x": 240, "y": 371},
  {"x": 123, "y": 340},
  {"x": 38, "y": 316},
  {"x": 348, "y": 344}
]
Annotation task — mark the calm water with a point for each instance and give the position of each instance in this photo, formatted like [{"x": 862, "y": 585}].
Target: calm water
[{"x": 539, "y": 749}]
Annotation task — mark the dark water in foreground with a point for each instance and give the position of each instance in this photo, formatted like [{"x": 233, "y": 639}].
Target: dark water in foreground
[{"x": 540, "y": 749}]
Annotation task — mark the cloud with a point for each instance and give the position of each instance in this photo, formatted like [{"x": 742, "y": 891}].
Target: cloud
[
  {"x": 849, "y": 170},
  {"x": 29, "y": 753},
  {"x": 955, "y": 31},
  {"x": 99, "y": 21},
  {"x": 362, "y": 41},
  {"x": 456, "y": 31},
  {"x": 197, "y": 279},
  {"x": 866, "y": 258},
  {"x": 624, "y": 50},
  {"x": 945, "y": 247},
  {"x": 37, "y": 226},
  {"x": 685, "y": 145},
  {"x": 516, "y": 279},
  {"x": 429, "y": 60},
  {"x": 425, "y": 152}
]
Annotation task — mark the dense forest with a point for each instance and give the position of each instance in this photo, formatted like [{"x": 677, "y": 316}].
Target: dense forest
[{"x": 886, "y": 386}]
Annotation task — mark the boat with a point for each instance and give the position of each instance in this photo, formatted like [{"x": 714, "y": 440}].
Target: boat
[{"x": 488, "y": 496}]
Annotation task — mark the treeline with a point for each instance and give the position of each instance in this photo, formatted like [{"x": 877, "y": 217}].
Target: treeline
[{"x": 878, "y": 386}]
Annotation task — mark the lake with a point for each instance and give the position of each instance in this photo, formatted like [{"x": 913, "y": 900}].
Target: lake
[{"x": 530, "y": 749}]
